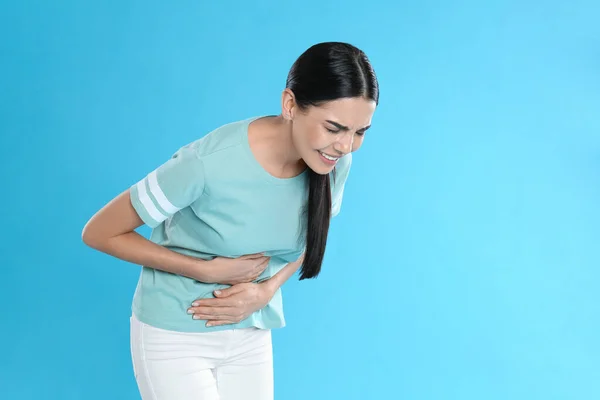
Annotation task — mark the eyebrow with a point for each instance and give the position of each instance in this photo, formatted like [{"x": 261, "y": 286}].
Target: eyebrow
[{"x": 345, "y": 128}]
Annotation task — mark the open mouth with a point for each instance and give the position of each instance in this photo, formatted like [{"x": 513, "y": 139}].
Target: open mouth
[{"x": 327, "y": 158}]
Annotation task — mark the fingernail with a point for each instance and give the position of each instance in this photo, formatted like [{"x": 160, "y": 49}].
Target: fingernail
[
  {"x": 209, "y": 324},
  {"x": 217, "y": 292},
  {"x": 195, "y": 304},
  {"x": 190, "y": 311},
  {"x": 195, "y": 317}
]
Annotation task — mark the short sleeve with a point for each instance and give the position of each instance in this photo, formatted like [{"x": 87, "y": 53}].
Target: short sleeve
[
  {"x": 338, "y": 182},
  {"x": 174, "y": 185}
]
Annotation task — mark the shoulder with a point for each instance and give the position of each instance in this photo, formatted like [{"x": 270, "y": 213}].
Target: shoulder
[
  {"x": 342, "y": 169},
  {"x": 344, "y": 163},
  {"x": 223, "y": 139}
]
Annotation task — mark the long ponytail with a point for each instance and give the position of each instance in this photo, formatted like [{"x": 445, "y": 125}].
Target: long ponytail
[{"x": 317, "y": 224}]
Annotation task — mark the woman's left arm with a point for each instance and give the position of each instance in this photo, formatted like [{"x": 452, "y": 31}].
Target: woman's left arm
[{"x": 238, "y": 302}]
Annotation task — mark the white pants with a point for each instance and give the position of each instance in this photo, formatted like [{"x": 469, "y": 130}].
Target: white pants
[{"x": 233, "y": 364}]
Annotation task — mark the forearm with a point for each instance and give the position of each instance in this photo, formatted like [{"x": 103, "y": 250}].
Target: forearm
[
  {"x": 277, "y": 280},
  {"x": 134, "y": 248},
  {"x": 112, "y": 231}
]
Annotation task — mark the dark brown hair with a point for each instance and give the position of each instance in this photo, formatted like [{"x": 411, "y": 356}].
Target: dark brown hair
[{"x": 326, "y": 72}]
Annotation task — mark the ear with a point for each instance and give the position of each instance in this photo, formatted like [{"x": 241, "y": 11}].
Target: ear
[{"x": 288, "y": 104}]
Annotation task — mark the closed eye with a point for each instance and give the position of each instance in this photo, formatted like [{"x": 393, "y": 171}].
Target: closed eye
[
  {"x": 340, "y": 128},
  {"x": 359, "y": 133}
]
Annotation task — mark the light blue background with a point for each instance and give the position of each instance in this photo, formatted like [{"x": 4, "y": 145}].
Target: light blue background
[{"x": 464, "y": 264}]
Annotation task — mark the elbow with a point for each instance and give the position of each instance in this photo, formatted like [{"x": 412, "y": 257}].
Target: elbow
[
  {"x": 89, "y": 237},
  {"x": 86, "y": 237}
]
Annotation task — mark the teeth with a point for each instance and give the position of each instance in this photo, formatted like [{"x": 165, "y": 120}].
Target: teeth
[{"x": 328, "y": 157}]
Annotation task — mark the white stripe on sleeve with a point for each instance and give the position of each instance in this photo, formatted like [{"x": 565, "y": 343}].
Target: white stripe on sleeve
[
  {"x": 159, "y": 195},
  {"x": 148, "y": 204}
]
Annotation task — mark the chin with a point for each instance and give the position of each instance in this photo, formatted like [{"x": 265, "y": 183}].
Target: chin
[
  {"x": 319, "y": 167},
  {"x": 322, "y": 171}
]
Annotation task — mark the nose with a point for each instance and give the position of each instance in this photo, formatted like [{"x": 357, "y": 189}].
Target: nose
[{"x": 344, "y": 143}]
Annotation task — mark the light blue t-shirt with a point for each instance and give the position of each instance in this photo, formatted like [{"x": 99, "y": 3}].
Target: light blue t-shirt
[{"x": 213, "y": 198}]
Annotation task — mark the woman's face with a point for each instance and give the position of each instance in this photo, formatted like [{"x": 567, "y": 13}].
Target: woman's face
[{"x": 325, "y": 133}]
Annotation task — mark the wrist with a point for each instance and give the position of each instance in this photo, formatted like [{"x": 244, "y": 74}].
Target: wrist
[
  {"x": 204, "y": 271},
  {"x": 269, "y": 287}
]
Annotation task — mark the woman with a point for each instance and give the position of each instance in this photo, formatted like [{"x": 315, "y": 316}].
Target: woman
[{"x": 234, "y": 215}]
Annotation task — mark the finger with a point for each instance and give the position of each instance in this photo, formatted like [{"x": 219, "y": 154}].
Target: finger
[
  {"x": 258, "y": 271},
  {"x": 219, "y": 323},
  {"x": 266, "y": 261},
  {"x": 214, "y": 311},
  {"x": 220, "y": 315},
  {"x": 263, "y": 265},
  {"x": 254, "y": 277},
  {"x": 229, "y": 291},
  {"x": 209, "y": 310},
  {"x": 208, "y": 317},
  {"x": 252, "y": 256},
  {"x": 212, "y": 302}
]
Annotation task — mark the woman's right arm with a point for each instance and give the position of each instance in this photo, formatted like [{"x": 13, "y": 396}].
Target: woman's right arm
[
  {"x": 172, "y": 186},
  {"x": 112, "y": 230}
]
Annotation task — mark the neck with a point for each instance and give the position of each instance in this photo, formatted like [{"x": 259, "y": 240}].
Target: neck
[{"x": 274, "y": 146}]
